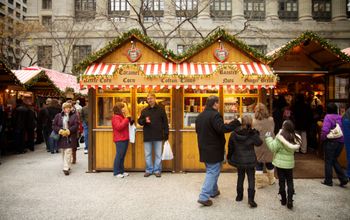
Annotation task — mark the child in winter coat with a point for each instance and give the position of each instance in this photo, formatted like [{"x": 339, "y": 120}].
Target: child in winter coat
[
  {"x": 241, "y": 154},
  {"x": 283, "y": 148}
]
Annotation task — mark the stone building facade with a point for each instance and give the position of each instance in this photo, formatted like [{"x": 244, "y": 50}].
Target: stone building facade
[{"x": 264, "y": 24}]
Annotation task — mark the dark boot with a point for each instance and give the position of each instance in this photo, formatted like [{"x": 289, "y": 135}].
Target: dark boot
[
  {"x": 283, "y": 197},
  {"x": 251, "y": 195},
  {"x": 290, "y": 199},
  {"x": 239, "y": 196}
]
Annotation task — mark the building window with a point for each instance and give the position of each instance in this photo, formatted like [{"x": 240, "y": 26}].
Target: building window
[
  {"x": 153, "y": 10},
  {"x": 18, "y": 5},
  {"x": 46, "y": 21},
  {"x": 80, "y": 52},
  {"x": 10, "y": 2},
  {"x": 10, "y": 11},
  {"x": 260, "y": 48},
  {"x": 46, "y": 4},
  {"x": 348, "y": 8},
  {"x": 85, "y": 9},
  {"x": 254, "y": 9},
  {"x": 45, "y": 56},
  {"x": 221, "y": 9},
  {"x": 24, "y": 10},
  {"x": 25, "y": 1},
  {"x": 118, "y": 8},
  {"x": 288, "y": 10},
  {"x": 181, "y": 48},
  {"x": 322, "y": 10},
  {"x": 18, "y": 15},
  {"x": 186, "y": 8}
]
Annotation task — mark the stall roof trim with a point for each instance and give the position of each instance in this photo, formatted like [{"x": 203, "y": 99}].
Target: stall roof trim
[
  {"x": 318, "y": 49},
  {"x": 61, "y": 81},
  {"x": 169, "y": 54},
  {"x": 180, "y": 69}
]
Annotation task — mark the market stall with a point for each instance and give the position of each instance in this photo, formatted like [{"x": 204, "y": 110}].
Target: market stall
[
  {"x": 133, "y": 65},
  {"x": 308, "y": 64}
]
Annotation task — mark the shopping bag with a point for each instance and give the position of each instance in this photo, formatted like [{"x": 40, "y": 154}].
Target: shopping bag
[
  {"x": 167, "y": 152},
  {"x": 81, "y": 142},
  {"x": 132, "y": 133},
  {"x": 336, "y": 132},
  {"x": 54, "y": 136}
]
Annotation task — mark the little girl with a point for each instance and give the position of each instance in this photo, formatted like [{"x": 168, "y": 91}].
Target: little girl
[
  {"x": 241, "y": 154},
  {"x": 283, "y": 148}
]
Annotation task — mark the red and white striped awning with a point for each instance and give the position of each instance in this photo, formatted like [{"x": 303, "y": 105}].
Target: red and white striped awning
[{"x": 250, "y": 68}]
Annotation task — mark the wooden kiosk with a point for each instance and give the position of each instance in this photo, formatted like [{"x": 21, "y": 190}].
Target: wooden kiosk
[
  {"x": 132, "y": 65},
  {"x": 311, "y": 63}
]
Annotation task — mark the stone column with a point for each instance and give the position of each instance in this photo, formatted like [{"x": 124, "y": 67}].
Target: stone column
[
  {"x": 32, "y": 10},
  {"x": 271, "y": 9},
  {"x": 237, "y": 10},
  {"x": 305, "y": 10},
  {"x": 204, "y": 7},
  {"x": 101, "y": 9},
  {"x": 169, "y": 10},
  {"x": 63, "y": 9},
  {"x": 339, "y": 10}
]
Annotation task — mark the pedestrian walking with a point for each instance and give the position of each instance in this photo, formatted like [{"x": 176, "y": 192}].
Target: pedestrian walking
[
  {"x": 210, "y": 129},
  {"x": 120, "y": 125},
  {"x": 85, "y": 112},
  {"x": 283, "y": 147},
  {"x": 346, "y": 131},
  {"x": 19, "y": 119},
  {"x": 43, "y": 118},
  {"x": 263, "y": 123},
  {"x": 66, "y": 125},
  {"x": 241, "y": 154},
  {"x": 332, "y": 146},
  {"x": 155, "y": 130}
]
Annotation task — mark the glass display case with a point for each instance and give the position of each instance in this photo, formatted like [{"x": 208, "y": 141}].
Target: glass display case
[
  {"x": 163, "y": 99},
  {"x": 239, "y": 102},
  {"x": 106, "y": 99},
  {"x": 194, "y": 103}
]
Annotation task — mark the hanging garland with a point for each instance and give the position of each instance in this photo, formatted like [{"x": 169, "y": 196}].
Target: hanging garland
[{"x": 309, "y": 36}]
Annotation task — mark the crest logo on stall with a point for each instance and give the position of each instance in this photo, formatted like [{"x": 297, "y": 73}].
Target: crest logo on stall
[
  {"x": 133, "y": 53},
  {"x": 221, "y": 54}
]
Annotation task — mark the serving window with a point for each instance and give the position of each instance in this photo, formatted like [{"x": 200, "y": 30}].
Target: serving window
[
  {"x": 106, "y": 99},
  {"x": 194, "y": 103},
  {"x": 163, "y": 99}
]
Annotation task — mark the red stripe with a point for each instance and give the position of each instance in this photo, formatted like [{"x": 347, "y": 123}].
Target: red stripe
[
  {"x": 111, "y": 86},
  {"x": 247, "y": 69},
  {"x": 127, "y": 86},
  {"x": 244, "y": 86},
  {"x": 104, "y": 87},
  {"x": 181, "y": 69},
  {"x": 259, "y": 87},
  {"x": 196, "y": 68},
  {"x": 89, "y": 86},
  {"x": 236, "y": 86},
  {"x": 152, "y": 69},
  {"x": 94, "y": 69},
  {"x": 96, "y": 87},
  {"x": 251, "y": 86},
  {"x": 109, "y": 69},
  {"x": 253, "y": 67},
  {"x": 120, "y": 86}
]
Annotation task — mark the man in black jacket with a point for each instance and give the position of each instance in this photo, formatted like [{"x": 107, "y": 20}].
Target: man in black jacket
[
  {"x": 155, "y": 130},
  {"x": 210, "y": 129}
]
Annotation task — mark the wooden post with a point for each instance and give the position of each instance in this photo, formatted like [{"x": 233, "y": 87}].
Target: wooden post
[
  {"x": 92, "y": 124},
  {"x": 178, "y": 108}
]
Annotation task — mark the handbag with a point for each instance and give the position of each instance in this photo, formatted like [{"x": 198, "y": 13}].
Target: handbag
[
  {"x": 81, "y": 142},
  {"x": 54, "y": 136},
  {"x": 132, "y": 133},
  {"x": 167, "y": 152},
  {"x": 335, "y": 132}
]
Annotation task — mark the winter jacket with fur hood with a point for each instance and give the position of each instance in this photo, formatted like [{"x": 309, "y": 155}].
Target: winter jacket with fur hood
[{"x": 283, "y": 151}]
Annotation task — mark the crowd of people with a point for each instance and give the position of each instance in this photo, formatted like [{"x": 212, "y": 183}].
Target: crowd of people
[{"x": 26, "y": 125}]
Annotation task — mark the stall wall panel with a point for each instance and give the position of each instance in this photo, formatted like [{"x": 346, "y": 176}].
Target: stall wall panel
[
  {"x": 294, "y": 62},
  {"x": 106, "y": 150},
  {"x": 119, "y": 54},
  {"x": 207, "y": 55},
  {"x": 140, "y": 163}
]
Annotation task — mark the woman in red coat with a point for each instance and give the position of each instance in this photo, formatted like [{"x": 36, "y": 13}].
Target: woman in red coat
[{"x": 120, "y": 125}]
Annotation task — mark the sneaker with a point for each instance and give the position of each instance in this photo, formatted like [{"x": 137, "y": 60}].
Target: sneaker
[
  {"x": 86, "y": 151},
  {"x": 206, "y": 203},
  {"x": 125, "y": 174},
  {"x": 120, "y": 175}
]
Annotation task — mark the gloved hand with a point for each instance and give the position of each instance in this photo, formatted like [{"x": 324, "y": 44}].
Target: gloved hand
[
  {"x": 131, "y": 121},
  {"x": 61, "y": 132},
  {"x": 268, "y": 134},
  {"x": 166, "y": 137}
]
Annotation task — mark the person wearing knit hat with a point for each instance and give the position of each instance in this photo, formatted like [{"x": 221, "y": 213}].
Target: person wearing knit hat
[{"x": 66, "y": 124}]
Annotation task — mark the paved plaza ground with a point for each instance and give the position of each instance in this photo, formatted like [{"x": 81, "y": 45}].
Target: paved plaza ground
[{"x": 33, "y": 186}]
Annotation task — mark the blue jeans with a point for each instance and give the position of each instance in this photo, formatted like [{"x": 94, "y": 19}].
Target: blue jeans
[
  {"x": 332, "y": 151},
  {"x": 86, "y": 135},
  {"x": 346, "y": 131},
  {"x": 53, "y": 145},
  {"x": 210, "y": 185},
  {"x": 260, "y": 166},
  {"x": 157, "y": 168},
  {"x": 122, "y": 147}
]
